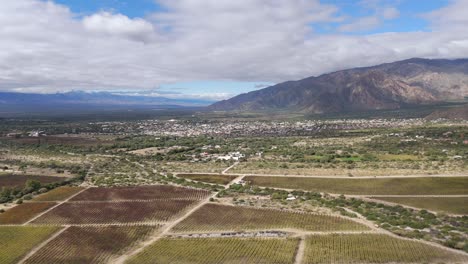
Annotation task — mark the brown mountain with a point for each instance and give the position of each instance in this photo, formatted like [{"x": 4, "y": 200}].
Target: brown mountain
[{"x": 387, "y": 86}]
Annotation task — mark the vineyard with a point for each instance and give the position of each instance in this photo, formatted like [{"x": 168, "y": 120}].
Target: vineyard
[
  {"x": 374, "y": 248},
  {"x": 210, "y": 178},
  {"x": 23, "y": 212},
  {"x": 13, "y": 180},
  {"x": 213, "y": 217},
  {"x": 219, "y": 250},
  {"x": 113, "y": 212},
  {"x": 453, "y": 205},
  {"x": 140, "y": 193},
  {"x": 90, "y": 244},
  {"x": 16, "y": 241},
  {"x": 376, "y": 186},
  {"x": 58, "y": 194}
]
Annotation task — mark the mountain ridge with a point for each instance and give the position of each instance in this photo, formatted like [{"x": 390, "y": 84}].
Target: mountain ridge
[{"x": 385, "y": 86}]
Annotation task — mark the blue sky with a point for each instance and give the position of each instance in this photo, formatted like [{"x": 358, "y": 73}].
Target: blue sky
[{"x": 214, "y": 48}]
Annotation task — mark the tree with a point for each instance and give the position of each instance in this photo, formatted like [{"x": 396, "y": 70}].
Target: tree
[{"x": 33, "y": 185}]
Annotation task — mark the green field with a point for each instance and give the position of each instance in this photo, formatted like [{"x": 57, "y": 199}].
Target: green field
[
  {"x": 210, "y": 178},
  {"x": 451, "y": 205},
  {"x": 15, "y": 242},
  {"x": 214, "y": 217},
  {"x": 374, "y": 248},
  {"x": 219, "y": 250},
  {"x": 372, "y": 186}
]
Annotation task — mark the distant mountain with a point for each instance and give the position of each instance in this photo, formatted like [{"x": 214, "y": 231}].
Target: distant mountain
[
  {"x": 77, "y": 100},
  {"x": 454, "y": 113},
  {"x": 387, "y": 86}
]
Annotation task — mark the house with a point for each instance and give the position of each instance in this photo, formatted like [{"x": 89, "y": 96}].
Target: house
[
  {"x": 14, "y": 135},
  {"x": 290, "y": 197},
  {"x": 36, "y": 133}
]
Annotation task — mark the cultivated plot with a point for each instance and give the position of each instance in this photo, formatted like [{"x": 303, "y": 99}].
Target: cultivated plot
[
  {"x": 219, "y": 250},
  {"x": 17, "y": 241},
  {"x": 140, "y": 193},
  {"x": 210, "y": 178},
  {"x": 14, "y": 180},
  {"x": 373, "y": 186},
  {"x": 214, "y": 217},
  {"x": 58, "y": 194},
  {"x": 90, "y": 244},
  {"x": 451, "y": 205},
  {"x": 113, "y": 212},
  {"x": 20, "y": 214},
  {"x": 374, "y": 248}
]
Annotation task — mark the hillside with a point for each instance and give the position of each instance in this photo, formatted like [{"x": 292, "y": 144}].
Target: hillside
[
  {"x": 387, "y": 86},
  {"x": 460, "y": 112}
]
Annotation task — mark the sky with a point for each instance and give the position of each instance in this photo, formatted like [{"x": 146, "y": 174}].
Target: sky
[{"x": 213, "y": 49}]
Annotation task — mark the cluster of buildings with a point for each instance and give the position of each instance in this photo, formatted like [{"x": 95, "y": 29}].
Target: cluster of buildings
[
  {"x": 205, "y": 156},
  {"x": 187, "y": 128}
]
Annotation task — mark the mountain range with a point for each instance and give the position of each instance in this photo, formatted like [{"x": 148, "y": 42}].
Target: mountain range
[
  {"x": 79, "y": 100},
  {"x": 387, "y": 86}
]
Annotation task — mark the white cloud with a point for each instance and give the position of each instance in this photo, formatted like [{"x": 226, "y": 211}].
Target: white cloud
[
  {"x": 382, "y": 11},
  {"x": 453, "y": 15},
  {"x": 120, "y": 25},
  {"x": 45, "y": 47},
  {"x": 361, "y": 24},
  {"x": 390, "y": 13}
]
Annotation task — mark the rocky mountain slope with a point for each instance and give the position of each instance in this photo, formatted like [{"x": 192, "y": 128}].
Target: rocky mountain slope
[{"x": 387, "y": 86}]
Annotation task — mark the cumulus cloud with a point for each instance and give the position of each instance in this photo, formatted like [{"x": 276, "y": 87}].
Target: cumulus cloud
[
  {"x": 120, "y": 25},
  {"x": 382, "y": 11},
  {"x": 453, "y": 15},
  {"x": 46, "y": 47}
]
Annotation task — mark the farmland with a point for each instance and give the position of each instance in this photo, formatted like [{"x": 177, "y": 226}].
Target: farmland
[
  {"x": 16, "y": 241},
  {"x": 452, "y": 205},
  {"x": 213, "y": 217},
  {"x": 125, "y": 207},
  {"x": 90, "y": 244},
  {"x": 140, "y": 193},
  {"x": 58, "y": 194},
  {"x": 374, "y": 248},
  {"x": 113, "y": 212},
  {"x": 210, "y": 178},
  {"x": 221, "y": 250},
  {"x": 372, "y": 186},
  {"x": 15, "y": 180},
  {"x": 23, "y": 212}
]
